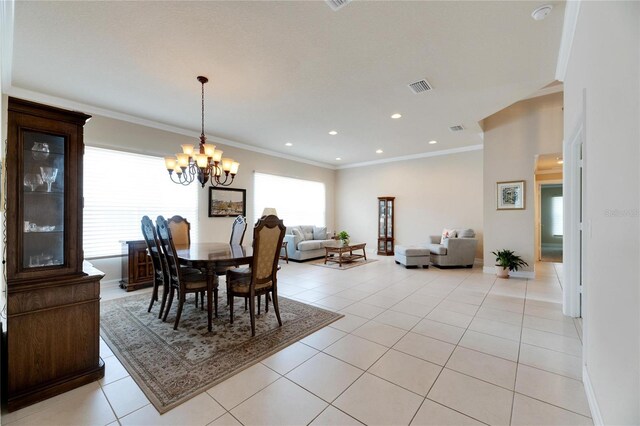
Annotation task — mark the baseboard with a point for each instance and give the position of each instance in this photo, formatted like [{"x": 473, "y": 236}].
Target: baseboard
[
  {"x": 514, "y": 274},
  {"x": 478, "y": 261},
  {"x": 596, "y": 416}
]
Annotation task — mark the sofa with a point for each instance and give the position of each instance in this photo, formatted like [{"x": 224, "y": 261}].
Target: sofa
[
  {"x": 306, "y": 242},
  {"x": 458, "y": 250}
]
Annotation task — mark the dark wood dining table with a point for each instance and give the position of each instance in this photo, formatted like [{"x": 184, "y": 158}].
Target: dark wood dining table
[{"x": 214, "y": 257}]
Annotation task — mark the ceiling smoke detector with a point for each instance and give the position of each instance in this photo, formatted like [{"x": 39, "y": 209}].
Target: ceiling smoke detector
[
  {"x": 420, "y": 86},
  {"x": 539, "y": 13},
  {"x": 336, "y": 5}
]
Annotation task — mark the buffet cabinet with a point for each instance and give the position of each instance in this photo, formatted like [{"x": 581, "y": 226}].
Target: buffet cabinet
[
  {"x": 137, "y": 267},
  {"x": 53, "y": 297},
  {"x": 385, "y": 225}
]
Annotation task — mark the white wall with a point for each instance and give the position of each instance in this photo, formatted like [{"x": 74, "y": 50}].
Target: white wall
[
  {"x": 431, "y": 194},
  {"x": 512, "y": 139},
  {"x": 120, "y": 135},
  {"x": 604, "y": 63}
]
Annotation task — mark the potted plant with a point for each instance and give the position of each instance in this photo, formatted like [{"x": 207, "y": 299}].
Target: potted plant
[
  {"x": 507, "y": 260},
  {"x": 344, "y": 237}
]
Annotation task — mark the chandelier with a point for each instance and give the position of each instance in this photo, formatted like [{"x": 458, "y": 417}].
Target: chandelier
[{"x": 205, "y": 163}]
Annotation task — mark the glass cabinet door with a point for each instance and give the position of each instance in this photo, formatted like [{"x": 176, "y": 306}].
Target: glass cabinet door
[
  {"x": 389, "y": 218},
  {"x": 43, "y": 202},
  {"x": 381, "y": 217}
]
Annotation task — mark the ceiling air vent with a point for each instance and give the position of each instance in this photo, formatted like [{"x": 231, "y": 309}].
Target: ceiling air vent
[
  {"x": 420, "y": 86},
  {"x": 456, "y": 128},
  {"x": 337, "y": 4}
]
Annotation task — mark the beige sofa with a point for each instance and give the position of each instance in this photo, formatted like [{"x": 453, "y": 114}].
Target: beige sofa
[
  {"x": 306, "y": 242},
  {"x": 459, "y": 251}
]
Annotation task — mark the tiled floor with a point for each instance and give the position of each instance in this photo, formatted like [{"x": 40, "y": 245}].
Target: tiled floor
[{"x": 420, "y": 347}]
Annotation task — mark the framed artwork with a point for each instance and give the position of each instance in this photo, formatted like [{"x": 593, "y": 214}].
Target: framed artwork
[
  {"x": 511, "y": 195},
  {"x": 225, "y": 202}
]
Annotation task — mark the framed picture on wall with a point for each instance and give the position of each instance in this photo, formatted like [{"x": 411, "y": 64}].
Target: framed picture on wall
[
  {"x": 511, "y": 195},
  {"x": 225, "y": 202}
]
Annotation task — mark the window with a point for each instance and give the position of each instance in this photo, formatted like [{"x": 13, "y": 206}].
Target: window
[
  {"x": 556, "y": 216},
  {"x": 297, "y": 201},
  {"x": 120, "y": 188}
]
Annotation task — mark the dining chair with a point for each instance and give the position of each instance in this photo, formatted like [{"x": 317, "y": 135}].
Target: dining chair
[
  {"x": 261, "y": 277},
  {"x": 238, "y": 229},
  {"x": 182, "y": 280},
  {"x": 180, "y": 230},
  {"x": 159, "y": 268}
]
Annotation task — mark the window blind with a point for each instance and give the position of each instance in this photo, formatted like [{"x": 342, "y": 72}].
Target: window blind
[
  {"x": 120, "y": 188},
  {"x": 297, "y": 201}
]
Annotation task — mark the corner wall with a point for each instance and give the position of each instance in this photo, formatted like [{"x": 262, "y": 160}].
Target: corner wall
[
  {"x": 512, "y": 139},
  {"x": 603, "y": 74},
  {"x": 431, "y": 194}
]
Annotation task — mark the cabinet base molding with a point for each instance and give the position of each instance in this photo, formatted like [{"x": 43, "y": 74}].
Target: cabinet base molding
[{"x": 65, "y": 384}]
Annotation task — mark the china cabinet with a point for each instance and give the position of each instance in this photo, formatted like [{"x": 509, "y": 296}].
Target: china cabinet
[
  {"x": 53, "y": 299},
  {"x": 385, "y": 225}
]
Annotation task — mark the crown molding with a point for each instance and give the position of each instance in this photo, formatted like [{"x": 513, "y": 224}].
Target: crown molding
[
  {"x": 94, "y": 110},
  {"x": 571, "y": 11},
  {"x": 7, "y": 8},
  {"x": 414, "y": 156}
]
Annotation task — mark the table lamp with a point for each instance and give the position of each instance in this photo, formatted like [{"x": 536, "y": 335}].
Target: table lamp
[{"x": 269, "y": 211}]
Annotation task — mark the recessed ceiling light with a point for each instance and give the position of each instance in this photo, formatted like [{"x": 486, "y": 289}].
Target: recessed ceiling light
[
  {"x": 338, "y": 158},
  {"x": 288, "y": 144},
  {"x": 333, "y": 133},
  {"x": 539, "y": 13},
  {"x": 560, "y": 161},
  {"x": 433, "y": 142},
  {"x": 379, "y": 151},
  {"x": 396, "y": 116}
]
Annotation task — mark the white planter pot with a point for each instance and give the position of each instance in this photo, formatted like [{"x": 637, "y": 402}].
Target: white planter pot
[{"x": 502, "y": 272}]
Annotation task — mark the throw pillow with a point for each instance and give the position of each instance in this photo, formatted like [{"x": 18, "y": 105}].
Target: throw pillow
[
  {"x": 466, "y": 233},
  {"x": 319, "y": 232},
  {"x": 447, "y": 233},
  {"x": 297, "y": 237}
]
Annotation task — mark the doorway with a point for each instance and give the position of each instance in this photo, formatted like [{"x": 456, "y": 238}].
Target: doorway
[{"x": 551, "y": 222}]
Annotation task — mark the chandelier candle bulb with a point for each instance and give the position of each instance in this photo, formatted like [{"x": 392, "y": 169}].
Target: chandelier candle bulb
[
  {"x": 209, "y": 149},
  {"x": 177, "y": 169},
  {"x": 217, "y": 156},
  {"x": 201, "y": 160},
  {"x": 183, "y": 160},
  {"x": 226, "y": 164}
]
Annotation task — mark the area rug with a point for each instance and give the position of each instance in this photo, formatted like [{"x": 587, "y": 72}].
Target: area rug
[
  {"x": 172, "y": 366},
  {"x": 344, "y": 266}
]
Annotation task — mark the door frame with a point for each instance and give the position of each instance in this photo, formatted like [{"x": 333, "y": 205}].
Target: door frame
[{"x": 538, "y": 213}]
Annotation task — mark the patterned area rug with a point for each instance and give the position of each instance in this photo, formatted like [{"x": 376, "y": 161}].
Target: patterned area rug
[
  {"x": 344, "y": 266},
  {"x": 174, "y": 366}
]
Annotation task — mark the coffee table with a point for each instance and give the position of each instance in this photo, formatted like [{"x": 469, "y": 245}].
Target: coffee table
[{"x": 344, "y": 253}]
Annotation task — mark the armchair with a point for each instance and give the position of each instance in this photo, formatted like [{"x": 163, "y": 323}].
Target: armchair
[{"x": 454, "y": 251}]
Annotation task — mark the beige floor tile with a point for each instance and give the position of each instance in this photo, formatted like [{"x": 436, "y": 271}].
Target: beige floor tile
[
  {"x": 449, "y": 317},
  {"x": 374, "y": 401},
  {"x": 363, "y": 310},
  {"x": 461, "y": 308},
  {"x": 439, "y": 330},
  {"x": 424, "y": 347},
  {"x": 331, "y": 416},
  {"x": 558, "y": 327},
  {"x": 105, "y": 350},
  {"x": 412, "y": 308},
  {"x": 472, "y": 299},
  {"x": 113, "y": 370},
  {"x": 383, "y": 301},
  {"x": 480, "y": 400},
  {"x": 380, "y": 333},
  {"x": 398, "y": 319},
  {"x": 557, "y": 390},
  {"x": 496, "y": 328},
  {"x": 238, "y": 388},
  {"x": 225, "y": 420},
  {"x": 281, "y": 403},
  {"x": 289, "y": 358},
  {"x": 485, "y": 367},
  {"x": 556, "y": 342},
  {"x": 356, "y": 295},
  {"x": 199, "y": 410},
  {"x": 334, "y": 302},
  {"x": 323, "y": 338},
  {"x": 125, "y": 396},
  {"x": 311, "y": 295},
  {"x": 531, "y": 412},
  {"x": 406, "y": 371},
  {"x": 356, "y": 351},
  {"x": 492, "y": 345},
  {"x": 433, "y": 414},
  {"x": 348, "y": 323},
  {"x": 552, "y": 361},
  {"x": 498, "y": 315},
  {"x": 325, "y": 376},
  {"x": 86, "y": 406},
  {"x": 554, "y": 313}
]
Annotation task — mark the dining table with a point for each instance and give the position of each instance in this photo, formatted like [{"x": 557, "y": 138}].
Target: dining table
[{"x": 213, "y": 258}]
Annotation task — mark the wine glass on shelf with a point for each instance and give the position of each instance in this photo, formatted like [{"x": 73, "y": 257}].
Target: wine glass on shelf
[
  {"x": 32, "y": 180},
  {"x": 49, "y": 175}
]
